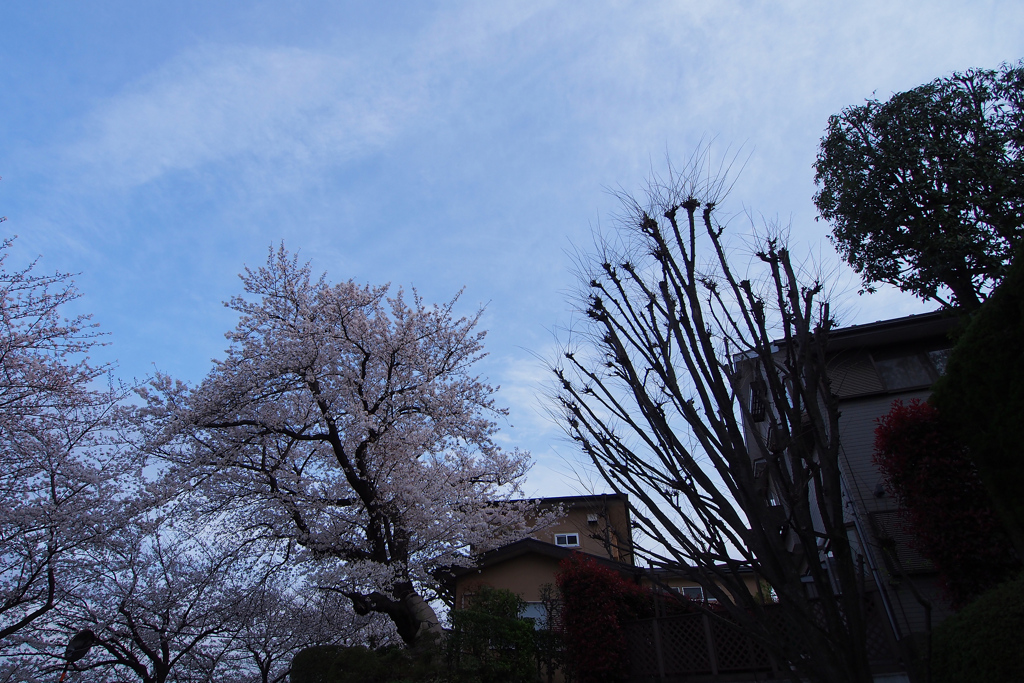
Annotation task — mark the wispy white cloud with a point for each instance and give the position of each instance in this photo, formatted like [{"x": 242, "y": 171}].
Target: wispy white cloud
[
  {"x": 468, "y": 149},
  {"x": 634, "y": 80},
  {"x": 243, "y": 104},
  {"x": 524, "y": 383}
]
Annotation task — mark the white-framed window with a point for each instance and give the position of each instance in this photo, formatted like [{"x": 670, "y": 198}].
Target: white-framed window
[
  {"x": 692, "y": 592},
  {"x": 568, "y": 540}
]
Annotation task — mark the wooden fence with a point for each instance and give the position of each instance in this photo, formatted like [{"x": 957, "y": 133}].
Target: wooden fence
[
  {"x": 690, "y": 645},
  {"x": 694, "y": 647}
]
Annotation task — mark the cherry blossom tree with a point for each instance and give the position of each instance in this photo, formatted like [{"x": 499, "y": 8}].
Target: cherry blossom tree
[
  {"x": 162, "y": 602},
  {"x": 350, "y": 423},
  {"x": 272, "y": 625},
  {"x": 282, "y": 616},
  {"x": 62, "y": 473},
  {"x": 170, "y": 600}
]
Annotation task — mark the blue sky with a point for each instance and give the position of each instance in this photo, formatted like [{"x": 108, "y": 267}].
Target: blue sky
[{"x": 156, "y": 148}]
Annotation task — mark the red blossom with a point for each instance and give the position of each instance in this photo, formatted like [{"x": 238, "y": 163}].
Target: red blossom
[
  {"x": 944, "y": 501},
  {"x": 597, "y": 601}
]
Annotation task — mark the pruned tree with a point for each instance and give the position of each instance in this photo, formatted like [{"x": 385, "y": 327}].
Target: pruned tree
[
  {"x": 926, "y": 190},
  {"x": 62, "y": 472},
  {"x": 654, "y": 388},
  {"x": 349, "y": 423}
]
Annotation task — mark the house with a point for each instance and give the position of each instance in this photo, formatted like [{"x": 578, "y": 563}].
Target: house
[
  {"x": 598, "y": 525},
  {"x": 869, "y": 367}
]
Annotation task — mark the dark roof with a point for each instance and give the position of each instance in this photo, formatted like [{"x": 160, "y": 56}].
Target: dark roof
[
  {"x": 909, "y": 328},
  {"x": 531, "y": 546},
  {"x": 582, "y": 500},
  {"x": 895, "y": 331}
]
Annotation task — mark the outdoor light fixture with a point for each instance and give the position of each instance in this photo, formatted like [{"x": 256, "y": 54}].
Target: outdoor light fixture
[{"x": 77, "y": 648}]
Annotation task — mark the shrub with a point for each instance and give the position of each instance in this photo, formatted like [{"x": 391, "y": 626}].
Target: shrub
[
  {"x": 336, "y": 664},
  {"x": 982, "y": 394},
  {"x": 597, "y": 601},
  {"x": 985, "y": 640},
  {"x": 945, "y": 503},
  {"x": 490, "y": 642}
]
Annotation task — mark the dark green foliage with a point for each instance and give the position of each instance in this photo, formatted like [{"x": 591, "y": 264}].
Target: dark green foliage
[
  {"x": 335, "y": 664},
  {"x": 490, "y": 643},
  {"x": 548, "y": 641},
  {"x": 984, "y": 641},
  {"x": 983, "y": 394},
  {"x": 926, "y": 190}
]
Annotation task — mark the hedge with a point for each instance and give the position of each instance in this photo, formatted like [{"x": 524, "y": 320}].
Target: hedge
[{"x": 984, "y": 641}]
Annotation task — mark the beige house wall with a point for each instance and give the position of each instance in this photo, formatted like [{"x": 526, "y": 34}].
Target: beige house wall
[
  {"x": 527, "y": 574},
  {"x": 679, "y": 583},
  {"x": 602, "y": 524},
  {"x": 596, "y": 538},
  {"x": 523, "y": 575}
]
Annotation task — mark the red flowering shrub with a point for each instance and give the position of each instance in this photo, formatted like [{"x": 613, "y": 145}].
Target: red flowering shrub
[
  {"x": 596, "y": 602},
  {"x": 946, "y": 506}
]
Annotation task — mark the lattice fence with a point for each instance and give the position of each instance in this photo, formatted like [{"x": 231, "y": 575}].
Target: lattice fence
[
  {"x": 735, "y": 651},
  {"x": 882, "y": 649},
  {"x": 689, "y": 635},
  {"x": 690, "y": 645}
]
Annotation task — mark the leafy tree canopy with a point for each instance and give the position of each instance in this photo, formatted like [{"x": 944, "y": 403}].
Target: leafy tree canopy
[
  {"x": 924, "y": 191},
  {"x": 983, "y": 641}
]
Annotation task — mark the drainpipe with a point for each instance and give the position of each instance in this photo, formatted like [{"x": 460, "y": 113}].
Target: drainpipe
[{"x": 870, "y": 556}]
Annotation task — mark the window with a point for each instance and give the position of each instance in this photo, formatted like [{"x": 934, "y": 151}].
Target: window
[
  {"x": 692, "y": 592},
  {"x": 902, "y": 370},
  {"x": 567, "y": 540},
  {"x": 537, "y": 612},
  {"x": 758, "y": 394},
  {"x": 760, "y": 467}
]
